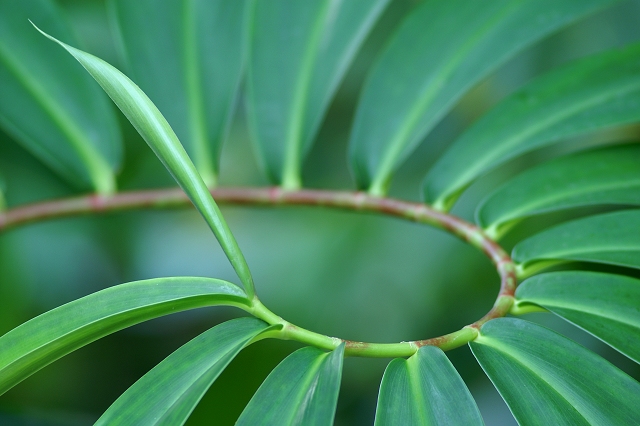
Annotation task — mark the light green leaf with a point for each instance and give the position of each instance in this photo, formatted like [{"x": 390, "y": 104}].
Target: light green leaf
[
  {"x": 440, "y": 51},
  {"x": 547, "y": 379},
  {"x": 610, "y": 238},
  {"x": 603, "y": 176},
  {"x": 168, "y": 394},
  {"x": 302, "y": 390},
  {"x": 155, "y": 130},
  {"x": 593, "y": 93},
  {"x": 49, "y": 104},
  {"x": 606, "y": 305},
  {"x": 425, "y": 390},
  {"x": 299, "y": 52},
  {"x": 187, "y": 56},
  {"x": 48, "y": 337}
]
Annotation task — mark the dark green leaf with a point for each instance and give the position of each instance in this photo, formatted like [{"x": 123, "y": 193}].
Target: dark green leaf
[
  {"x": 187, "y": 56},
  {"x": 593, "y": 93},
  {"x": 48, "y": 337},
  {"x": 299, "y": 52},
  {"x": 155, "y": 130},
  {"x": 425, "y": 390},
  {"x": 547, "y": 379},
  {"x": 3, "y": 189},
  {"x": 302, "y": 390},
  {"x": 610, "y": 238},
  {"x": 606, "y": 305},
  {"x": 168, "y": 394},
  {"x": 49, "y": 104},
  {"x": 603, "y": 176},
  {"x": 440, "y": 51}
]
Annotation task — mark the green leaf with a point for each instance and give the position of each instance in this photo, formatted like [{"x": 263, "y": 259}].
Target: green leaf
[
  {"x": 168, "y": 394},
  {"x": 603, "y": 176},
  {"x": 547, "y": 379},
  {"x": 187, "y": 56},
  {"x": 425, "y": 390},
  {"x": 605, "y": 305},
  {"x": 302, "y": 390},
  {"x": 155, "y": 130},
  {"x": 299, "y": 52},
  {"x": 48, "y": 337},
  {"x": 440, "y": 51},
  {"x": 593, "y": 93},
  {"x": 610, "y": 238},
  {"x": 49, "y": 104},
  {"x": 3, "y": 189}
]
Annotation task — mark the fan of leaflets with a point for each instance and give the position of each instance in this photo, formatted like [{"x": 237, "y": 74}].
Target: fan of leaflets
[{"x": 187, "y": 59}]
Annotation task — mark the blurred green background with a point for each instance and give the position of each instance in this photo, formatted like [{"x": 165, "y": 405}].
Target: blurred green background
[{"x": 355, "y": 276}]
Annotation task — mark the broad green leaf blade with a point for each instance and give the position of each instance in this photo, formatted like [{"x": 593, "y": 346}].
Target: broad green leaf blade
[
  {"x": 168, "y": 393},
  {"x": 610, "y": 238},
  {"x": 605, "y": 305},
  {"x": 155, "y": 130},
  {"x": 593, "y": 93},
  {"x": 48, "y": 337},
  {"x": 547, "y": 379},
  {"x": 440, "y": 51},
  {"x": 299, "y": 52},
  {"x": 302, "y": 390},
  {"x": 187, "y": 56},
  {"x": 425, "y": 390},
  {"x": 49, "y": 104},
  {"x": 603, "y": 176}
]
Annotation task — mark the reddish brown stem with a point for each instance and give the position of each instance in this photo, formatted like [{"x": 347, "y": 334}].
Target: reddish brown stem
[{"x": 273, "y": 196}]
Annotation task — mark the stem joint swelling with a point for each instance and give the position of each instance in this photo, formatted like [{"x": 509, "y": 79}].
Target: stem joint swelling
[{"x": 355, "y": 201}]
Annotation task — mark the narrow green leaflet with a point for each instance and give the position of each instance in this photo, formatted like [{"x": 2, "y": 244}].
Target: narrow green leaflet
[
  {"x": 48, "y": 337},
  {"x": 593, "y": 93},
  {"x": 440, "y": 51},
  {"x": 3, "y": 189},
  {"x": 425, "y": 390},
  {"x": 302, "y": 390},
  {"x": 168, "y": 394},
  {"x": 155, "y": 130},
  {"x": 603, "y": 176},
  {"x": 187, "y": 56},
  {"x": 606, "y": 305},
  {"x": 547, "y": 379},
  {"x": 48, "y": 103},
  {"x": 299, "y": 52},
  {"x": 610, "y": 238}
]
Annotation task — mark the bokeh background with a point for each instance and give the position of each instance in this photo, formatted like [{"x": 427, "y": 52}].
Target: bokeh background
[{"x": 355, "y": 276}]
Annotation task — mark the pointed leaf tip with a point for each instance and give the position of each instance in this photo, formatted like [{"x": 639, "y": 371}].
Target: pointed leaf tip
[
  {"x": 49, "y": 105},
  {"x": 157, "y": 132}
]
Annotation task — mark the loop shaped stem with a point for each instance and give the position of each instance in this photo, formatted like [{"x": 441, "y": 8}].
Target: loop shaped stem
[{"x": 274, "y": 196}]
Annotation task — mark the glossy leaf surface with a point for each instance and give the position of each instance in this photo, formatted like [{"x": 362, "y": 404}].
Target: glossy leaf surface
[
  {"x": 593, "y": 93},
  {"x": 547, "y": 379},
  {"x": 48, "y": 337},
  {"x": 441, "y": 50},
  {"x": 299, "y": 52},
  {"x": 155, "y": 130},
  {"x": 302, "y": 390},
  {"x": 49, "y": 104},
  {"x": 168, "y": 393},
  {"x": 603, "y": 176},
  {"x": 187, "y": 56},
  {"x": 425, "y": 390},
  {"x": 610, "y": 238},
  {"x": 606, "y": 305}
]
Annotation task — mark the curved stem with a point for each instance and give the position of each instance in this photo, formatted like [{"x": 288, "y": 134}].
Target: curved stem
[{"x": 355, "y": 201}]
